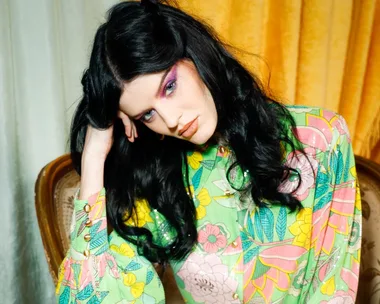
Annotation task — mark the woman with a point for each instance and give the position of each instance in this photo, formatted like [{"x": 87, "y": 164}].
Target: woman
[{"x": 248, "y": 200}]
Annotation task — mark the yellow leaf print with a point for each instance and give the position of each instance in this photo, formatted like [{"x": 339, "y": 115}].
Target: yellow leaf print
[
  {"x": 195, "y": 159},
  {"x": 301, "y": 228},
  {"x": 140, "y": 216},
  {"x": 137, "y": 288},
  {"x": 328, "y": 288},
  {"x": 124, "y": 249},
  {"x": 200, "y": 212},
  {"x": 129, "y": 279},
  {"x": 204, "y": 200},
  {"x": 204, "y": 197}
]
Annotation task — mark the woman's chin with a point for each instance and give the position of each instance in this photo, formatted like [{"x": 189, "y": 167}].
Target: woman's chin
[{"x": 200, "y": 138}]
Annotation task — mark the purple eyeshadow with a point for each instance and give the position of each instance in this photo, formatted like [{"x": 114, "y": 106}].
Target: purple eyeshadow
[{"x": 170, "y": 78}]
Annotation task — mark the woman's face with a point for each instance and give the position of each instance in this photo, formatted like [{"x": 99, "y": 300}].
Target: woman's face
[{"x": 175, "y": 103}]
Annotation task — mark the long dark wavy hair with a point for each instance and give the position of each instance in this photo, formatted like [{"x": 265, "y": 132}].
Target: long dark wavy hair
[{"x": 139, "y": 39}]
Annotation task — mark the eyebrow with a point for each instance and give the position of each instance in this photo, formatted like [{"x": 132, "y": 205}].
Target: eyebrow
[{"x": 136, "y": 117}]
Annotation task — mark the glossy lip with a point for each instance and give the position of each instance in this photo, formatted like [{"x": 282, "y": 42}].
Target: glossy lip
[{"x": 187, "y": 127}]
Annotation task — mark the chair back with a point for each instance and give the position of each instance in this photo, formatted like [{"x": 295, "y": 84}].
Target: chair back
[
  {"x": 369, "y": 279},
  {"x": 55, "y": 188}
]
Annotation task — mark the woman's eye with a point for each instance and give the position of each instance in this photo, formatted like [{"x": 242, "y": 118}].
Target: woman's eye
[
  {"x": 170, "y": 87},
  {"x": 147, "y": 117}
]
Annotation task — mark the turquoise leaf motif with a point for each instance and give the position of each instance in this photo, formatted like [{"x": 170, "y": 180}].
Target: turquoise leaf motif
[
  {"x": 94, "y": 229},
  {"x": 333, "y": 162},
  {"x": 132, "y": 266},
  {"x": 323, "y": 201},
  {"x": 347, "y": 168},
  {"x": 102, "y": 249},
  {"x": 245, "y": 241},
  {"x": 259, "y": 229},
  {"x": 208, "y": 164},
  {"x": 267, "y": 222},
  {"x": 339, "y": 169},
  {"x": 85, "y": 293},
  {"x": 197, "y": 178},
  {"x": 94, "y": 300},
  {"x": 149, "y": 277},
  {"x": 321, "y": 190},
  {"x": 99, "y": 239},
  {"x": 103, "y": 294},
  {"x": 64, "y": 298},
  {"x": 250, "y": 227},
  {"x": 323, "y": 178},
  {"x": 281, "y": 223},
  {"x": 250, "y": 254}
]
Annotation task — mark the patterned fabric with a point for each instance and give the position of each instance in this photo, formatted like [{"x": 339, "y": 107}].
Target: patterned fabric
[{"x": 244, "y": 254}]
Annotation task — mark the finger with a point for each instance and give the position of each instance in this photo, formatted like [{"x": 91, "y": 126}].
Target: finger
[
  {"x": 133, "y": 134},
  {"x": 128, "y": 130},
  {"x": 135, "y": 130}
]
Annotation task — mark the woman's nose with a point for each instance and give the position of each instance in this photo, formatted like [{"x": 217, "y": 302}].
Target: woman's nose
[{"x": 170, "y": 116}]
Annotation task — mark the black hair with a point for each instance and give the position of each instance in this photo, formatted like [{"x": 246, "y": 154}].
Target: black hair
[{"x": 141, "y": 39}]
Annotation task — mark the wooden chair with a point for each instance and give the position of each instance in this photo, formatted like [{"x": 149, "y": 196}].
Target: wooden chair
[
  {"x": 369, "y": 279},
  {"x": 58, "y": 181},
  {"x": 54, "y": 198}
]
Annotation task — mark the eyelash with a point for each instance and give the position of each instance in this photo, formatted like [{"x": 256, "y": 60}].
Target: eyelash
[
  {"x": 170, "y": 86},
  {"x": 144, "y": 119},
  {"x": 173, "y": 85}
]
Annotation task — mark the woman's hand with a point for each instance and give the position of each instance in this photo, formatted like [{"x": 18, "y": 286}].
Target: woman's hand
[{"x": 97, "y": 145}]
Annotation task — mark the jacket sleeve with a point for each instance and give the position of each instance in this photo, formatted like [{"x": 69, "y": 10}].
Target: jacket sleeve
[
  {"x": 102, "y": 268},
  {"x": 337, "y": 232}
]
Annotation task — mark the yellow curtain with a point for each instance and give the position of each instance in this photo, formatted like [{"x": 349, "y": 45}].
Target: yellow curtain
[{"x": 313, "y": 52}]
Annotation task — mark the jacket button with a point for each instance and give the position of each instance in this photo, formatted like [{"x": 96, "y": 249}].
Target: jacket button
[
  {"x": 235, "y": 296},
  {"x": 86, "y": 253},
  {"x": 87, "y": 237},
  {"x": 87, "y": 208},
  {"x": 222, "y": 149},
  {"x": 234, "y": 244},
  {"x": 227, "y": 192}
]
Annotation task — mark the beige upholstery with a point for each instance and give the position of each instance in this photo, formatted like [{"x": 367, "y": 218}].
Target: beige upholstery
[
  {"x": 57, "y": 183},
  {"x": 369, "y": 281}
]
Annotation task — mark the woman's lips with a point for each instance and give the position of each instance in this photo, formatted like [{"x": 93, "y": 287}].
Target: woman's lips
[{"x": 189, "y": 129}]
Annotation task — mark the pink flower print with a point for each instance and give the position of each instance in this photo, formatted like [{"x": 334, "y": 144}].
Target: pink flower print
[
  {"x": 107, "y": 261},
  {"x": 211, "y": 238},
  {"x": 340, "y": 124},
  {"x": 331, "y": 219},
  {"x": 317, "y": 134},
  {"x": 207, "y": 279},
  {"x": 340, "y": 297},
  {"x": 282, "y": 261},
  {"x": 307, "y": 166},
  {"x": 68, "y": 274}
]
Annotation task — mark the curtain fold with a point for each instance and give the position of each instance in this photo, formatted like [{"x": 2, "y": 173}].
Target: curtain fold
[
  {"x": 44, "y": 48},
  {"x": 322, "y": 53}
]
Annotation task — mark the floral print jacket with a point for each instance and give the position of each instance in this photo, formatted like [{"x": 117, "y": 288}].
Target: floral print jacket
[{"x": 244, "y": 254}]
